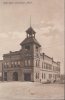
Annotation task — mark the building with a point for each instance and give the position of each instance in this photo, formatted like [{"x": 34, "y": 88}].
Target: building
[
  {"x": 1, "y": 70},
  {"x": 28, "y": 64}
]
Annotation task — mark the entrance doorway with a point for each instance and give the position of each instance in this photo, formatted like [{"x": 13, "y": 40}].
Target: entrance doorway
[
  {"x": 15, "y": 76},
  {"x": 27, "y": 77},
  {"x": 5, "y": 76}
]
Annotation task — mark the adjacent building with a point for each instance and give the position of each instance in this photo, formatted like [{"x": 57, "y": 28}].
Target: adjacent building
[
  {"x": 1, "y": 69},
  {"x": 28, "y": 64}
]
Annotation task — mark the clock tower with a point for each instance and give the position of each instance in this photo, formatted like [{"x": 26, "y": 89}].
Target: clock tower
[{"x": 30, "y": 53}]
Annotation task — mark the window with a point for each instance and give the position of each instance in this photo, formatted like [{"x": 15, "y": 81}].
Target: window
[
  {"x": 50, "y": 67},
  {"x": 27, "y": 47},
  {"x": 42, "y": 64},
  {"x": 50, "y": 75},
  {"x": 46, "y": 66},
  {"x": 25, "y": 62},
  {"x": 36, "y": 75},
  {"x": 55, "y": 76},
  {"x": 42, "y": 75},
  {"x": 7, "y": 65},
  {"x": 36, "y": 54},
  {"x": 4, "y": 64},
  {"x": 12, "y": 64},
  {"x": 29, "y": 54},
  {"x": 36, "y": 48},
  {"x": 59, "y": 68},
  {"x": 29, "y": 63},
  {"x": 53, "y": 67},
  {"x": 36, "y": 63},
  {"x": 18, "y": 63},
  {"x": 15, "y": 63}
]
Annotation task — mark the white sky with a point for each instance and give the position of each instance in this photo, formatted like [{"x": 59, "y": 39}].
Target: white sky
[{"x": 47, "y": 20}]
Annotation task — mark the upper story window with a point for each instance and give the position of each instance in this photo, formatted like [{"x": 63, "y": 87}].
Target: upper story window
[
  {"x": 37, "y": 63},
  {"x": 12, "y": 64},
  {"x": 50, "y": 67},
  {"x": 36, "y": 54},
  {"x": 18, "y": 63},
  {"x": 44, "y": 65},
  {"x": 59, "y": 68},
  {"x": 7, "y": 64},
  {"x": 27, "y": 47},
  {"x": 36, "y": 48},
  {"x": 15, "y": 63},
  {"x": 53, "y": 67},
  {"x": 25, "y": 62},
  {"x": 29, "y": 62}
]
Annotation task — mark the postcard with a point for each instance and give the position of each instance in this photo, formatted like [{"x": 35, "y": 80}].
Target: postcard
[{"x": 32, "y": 49}]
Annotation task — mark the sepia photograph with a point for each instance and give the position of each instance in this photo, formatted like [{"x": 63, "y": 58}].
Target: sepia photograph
[{"x": 32, "y": 50}]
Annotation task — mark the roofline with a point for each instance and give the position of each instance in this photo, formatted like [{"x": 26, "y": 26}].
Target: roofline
[{"x": 30, "y": 42}]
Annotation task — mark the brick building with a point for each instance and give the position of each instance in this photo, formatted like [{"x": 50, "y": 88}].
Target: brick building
[{"x": 28, "y": 64}]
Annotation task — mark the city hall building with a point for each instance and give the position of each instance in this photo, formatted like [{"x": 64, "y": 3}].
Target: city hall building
[{"x": 28, "y": 64}]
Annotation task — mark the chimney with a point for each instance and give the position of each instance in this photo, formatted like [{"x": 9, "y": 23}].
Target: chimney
[{"x": 43, "y": 55}]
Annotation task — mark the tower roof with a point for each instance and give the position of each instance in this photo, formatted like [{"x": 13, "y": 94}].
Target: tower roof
[
  {"x": 30, "y": 31},
  {"x": 30, "y": 40}
]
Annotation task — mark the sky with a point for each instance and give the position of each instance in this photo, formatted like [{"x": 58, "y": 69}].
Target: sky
[{"x": 47, "y": 19}]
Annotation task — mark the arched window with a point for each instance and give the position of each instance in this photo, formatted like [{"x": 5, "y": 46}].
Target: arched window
[
  {"x": 12, "y": 64},
  {"x": 29, "y": 63},
  {"x": 15, "y": 63},
  {"x": 18, "y": 63},
  {"x": 7, "y": 65}
]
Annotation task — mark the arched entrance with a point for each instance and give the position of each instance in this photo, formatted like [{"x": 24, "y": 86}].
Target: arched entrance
[{"x": 15, "y": 76}]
